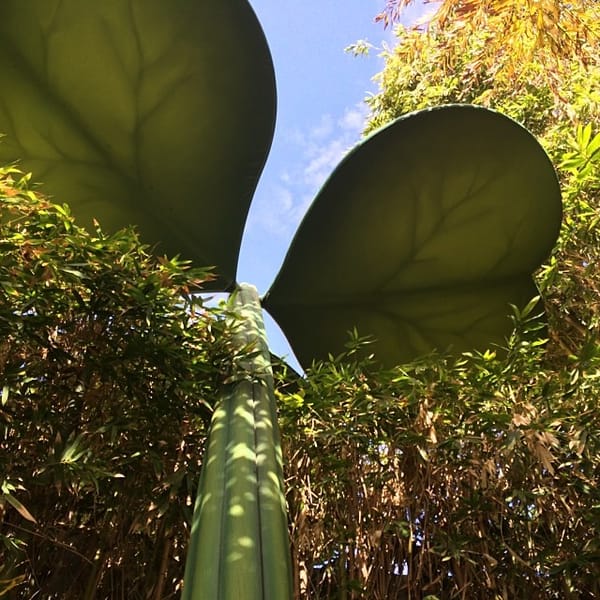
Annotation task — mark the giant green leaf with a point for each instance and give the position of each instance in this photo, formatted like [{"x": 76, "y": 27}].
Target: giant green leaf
[
  {"x": 422, "y": 238},
  {"x": 155, "y": 113}
]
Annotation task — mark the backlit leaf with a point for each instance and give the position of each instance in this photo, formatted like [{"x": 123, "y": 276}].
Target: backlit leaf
[
  {"x": 141, "y": 112},
  {"x": 422, "y": 238}
]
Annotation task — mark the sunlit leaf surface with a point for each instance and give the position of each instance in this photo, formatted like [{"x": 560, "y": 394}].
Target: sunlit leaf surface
[
  {"x": 148, "y": 112},
  {"x": 422, "y": 237}
]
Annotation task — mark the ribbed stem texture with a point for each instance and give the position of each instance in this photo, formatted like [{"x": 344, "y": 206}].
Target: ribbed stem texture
[{"x": 239, "y": 545}]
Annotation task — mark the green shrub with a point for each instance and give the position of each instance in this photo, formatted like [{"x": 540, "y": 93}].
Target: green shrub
[{"x": 108, "y": 365}]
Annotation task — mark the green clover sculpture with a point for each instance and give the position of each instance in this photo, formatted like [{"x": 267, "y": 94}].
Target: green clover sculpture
[{"x": 160, "y": 113}]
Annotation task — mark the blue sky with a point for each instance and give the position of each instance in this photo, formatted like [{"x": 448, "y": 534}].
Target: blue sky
[{"x": 320, "y": 116}]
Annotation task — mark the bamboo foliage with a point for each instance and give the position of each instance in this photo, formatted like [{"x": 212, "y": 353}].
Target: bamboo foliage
[
  {"x": 108, "y": 367},
  {"x": 469, "y": 478},
  {"x": 556, "y": 29},
  {"x": 468, "y": 51}
]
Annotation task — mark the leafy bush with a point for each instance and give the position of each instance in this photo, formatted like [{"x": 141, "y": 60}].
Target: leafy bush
[
  {"x": 108, "y": 364},
  {"x": 476, "y": 477}
]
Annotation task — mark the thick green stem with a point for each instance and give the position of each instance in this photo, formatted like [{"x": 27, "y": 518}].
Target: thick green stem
[{"x": 239, "y": 546}]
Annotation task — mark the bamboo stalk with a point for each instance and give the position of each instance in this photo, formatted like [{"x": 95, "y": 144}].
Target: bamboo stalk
[{"x": 239, "y": 545}]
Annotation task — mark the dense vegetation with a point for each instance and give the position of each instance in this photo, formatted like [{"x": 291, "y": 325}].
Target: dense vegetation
[
  {"x": 477, "y": 476},
  {"x": 108, "y": 366},
  {"x": 452, "y": 477}
]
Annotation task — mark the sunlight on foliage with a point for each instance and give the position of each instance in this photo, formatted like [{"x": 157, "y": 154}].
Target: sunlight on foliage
[
  {"x": 108, "y": 362},
  {"x": 499, "y": 54},
  {"x": 473, "y": 477},
  {"x": 552, "y": 32}
]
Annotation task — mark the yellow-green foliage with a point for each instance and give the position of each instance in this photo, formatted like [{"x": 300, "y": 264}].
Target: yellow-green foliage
[
  {"x": 475, "y": 477},
  {"x": 533, "y": 55},
  {"x": 108, "y": 367}
]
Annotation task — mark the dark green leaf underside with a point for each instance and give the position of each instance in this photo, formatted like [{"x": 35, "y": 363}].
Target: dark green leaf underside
[
  {"x": 422, "y": 237},
  {"x": 153, "y": 113}
]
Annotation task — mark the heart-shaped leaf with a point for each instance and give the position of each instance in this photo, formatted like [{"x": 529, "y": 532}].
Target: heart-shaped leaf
[
  {"x": 421, "y": 238},
  {"x": 156, "y": 113}
]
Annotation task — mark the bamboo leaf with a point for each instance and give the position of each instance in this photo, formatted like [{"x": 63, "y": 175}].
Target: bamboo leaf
[
  {"x": 594, "y": 146},
  {"x": 8, "y": 584},
  {"x": 19, "y": 507}
]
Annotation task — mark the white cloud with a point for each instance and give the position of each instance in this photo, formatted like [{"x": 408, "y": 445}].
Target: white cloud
[
  {"x": 427, "y": 12},
  {"x": 315, "y": 151},
  {"x": 322, "y": 154},
  {"x": 323, "y": 129},
  {"x": 354, "y": 118},
  {"x": 322, "y": 160},
  {"x": 280, "y": 212}
]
